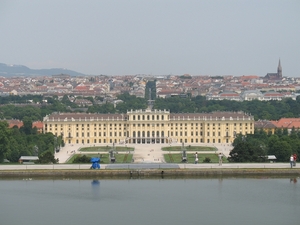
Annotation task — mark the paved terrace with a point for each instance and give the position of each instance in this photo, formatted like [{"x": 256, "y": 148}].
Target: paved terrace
[
  {"x": 143, "y": 153},
  {"x": 145, "y": 157},
  {"x": 137, "y": 166}
]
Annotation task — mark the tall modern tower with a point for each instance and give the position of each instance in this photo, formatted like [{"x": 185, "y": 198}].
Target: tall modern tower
[{"x": 279, "y": 70}]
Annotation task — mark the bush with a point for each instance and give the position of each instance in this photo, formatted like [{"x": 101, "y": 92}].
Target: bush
[
  {"x": 82, "y": 159},
  {"x": 207, "y": 160},
  {"x": 47, "y": 157}
]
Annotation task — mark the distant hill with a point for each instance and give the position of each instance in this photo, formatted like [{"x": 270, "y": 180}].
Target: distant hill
[{"x": 20, "y": 70}]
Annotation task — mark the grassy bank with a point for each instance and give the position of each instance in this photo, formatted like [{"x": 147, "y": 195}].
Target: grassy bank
[
  {"x": 189, "y": 148},
  {"x": 177, "y": 158},
  {"x": 120, "y": 158},
  {"x": 106, "y": 149}
]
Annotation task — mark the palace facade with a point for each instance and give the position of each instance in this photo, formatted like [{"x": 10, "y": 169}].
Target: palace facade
[{"x": 149, "y": 127}]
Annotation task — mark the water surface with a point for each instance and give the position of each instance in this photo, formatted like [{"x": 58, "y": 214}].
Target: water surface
[{"x": 161, "y": 201}]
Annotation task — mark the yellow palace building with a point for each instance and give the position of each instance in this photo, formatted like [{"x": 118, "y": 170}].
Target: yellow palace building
[{"x": 149, "y": 127}]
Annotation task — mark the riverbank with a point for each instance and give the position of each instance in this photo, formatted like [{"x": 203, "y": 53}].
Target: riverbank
[{"x": 147, "y": 173}]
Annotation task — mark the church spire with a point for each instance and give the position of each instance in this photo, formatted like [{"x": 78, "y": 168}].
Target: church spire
[{"x": 279, "y": 70}]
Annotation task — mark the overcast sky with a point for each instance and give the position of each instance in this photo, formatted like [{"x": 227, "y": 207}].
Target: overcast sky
[{"x": 158, "y": 37}]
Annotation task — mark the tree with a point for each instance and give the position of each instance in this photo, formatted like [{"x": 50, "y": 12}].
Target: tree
[
  {"x": 281, "y": 149},
  {"x": 27, "y": 125},
  {"x": 247, "y": 149},
  {"x": 47, "y": 157},
  {"x": 5, "y": 136}
]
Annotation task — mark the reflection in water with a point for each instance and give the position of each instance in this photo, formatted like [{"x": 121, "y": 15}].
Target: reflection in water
[
  {"x": 96, "y": 189},
  {"x": 293, "y": 180}
]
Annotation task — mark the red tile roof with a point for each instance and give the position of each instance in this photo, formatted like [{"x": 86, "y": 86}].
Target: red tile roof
[{"x": 287, "y": 123}]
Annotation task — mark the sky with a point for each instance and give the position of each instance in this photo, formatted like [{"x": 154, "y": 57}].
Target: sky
[{"x": 157, "y": 37}]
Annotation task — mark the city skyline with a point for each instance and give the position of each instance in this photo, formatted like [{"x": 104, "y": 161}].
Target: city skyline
[{"x": 153, "y": 37}]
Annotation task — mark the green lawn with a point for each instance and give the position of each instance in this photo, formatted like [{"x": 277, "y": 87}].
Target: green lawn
[
  {"x": 104, "y": 158},
  {"x": 105, "y": 149},
  {"x": 176, "y": 158},
  {"x": 189, "y": 148}
]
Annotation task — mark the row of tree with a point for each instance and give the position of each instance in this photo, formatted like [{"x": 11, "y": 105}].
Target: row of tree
[
  {"x": 264, "y": 110},
  {"x": 255, "y": 147},
  {"x": 15, "y": 142},
  {"x": 267, "y": 110}
]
